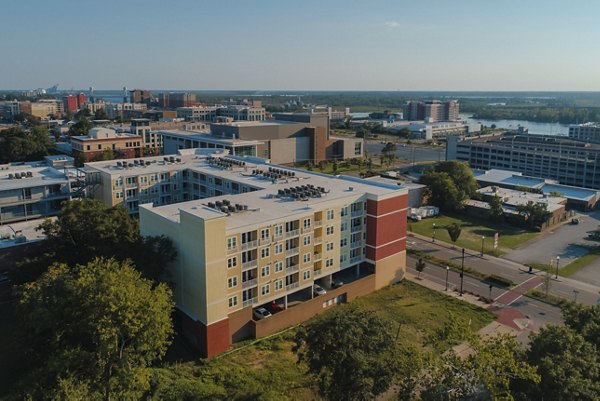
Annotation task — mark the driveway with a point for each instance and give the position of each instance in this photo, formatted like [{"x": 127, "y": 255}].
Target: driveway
[{"x": 568, "y": 241}]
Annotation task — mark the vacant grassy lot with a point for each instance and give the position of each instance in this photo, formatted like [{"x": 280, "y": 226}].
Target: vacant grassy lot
[
  {"x": 472, "y": 231},
  {"x": 272, "y": 366}
]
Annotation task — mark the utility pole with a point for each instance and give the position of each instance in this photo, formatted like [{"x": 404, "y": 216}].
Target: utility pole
[
  {"x": 557, "y": 261},
  {"x": 462, "y": 272},
  {"x": 447, "y": 271}
]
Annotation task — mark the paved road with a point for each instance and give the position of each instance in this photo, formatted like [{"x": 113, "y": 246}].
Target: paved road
[
  {"x": 410, "y": 153},
  {"x": 587, "y": 293}
]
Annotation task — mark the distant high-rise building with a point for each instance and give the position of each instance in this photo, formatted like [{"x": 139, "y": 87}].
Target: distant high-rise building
[
  {"x": 70, "y": 103},
  {"x": 182, "y": 100},
  {"x": 140, "y": 96},
  {"x": 432, "y": 110},
  {"x": 82, "y": 99}
]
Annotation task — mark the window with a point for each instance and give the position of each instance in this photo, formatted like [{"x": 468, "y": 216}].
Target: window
[
  {"x": 118, "y": 182},
  {"x": 278, "y": 230},
  {"x": 231, "y": 243},
  {"x": 265, "y": 271},
  {"x": 264, "y": 234},
  {"x": 264, "y": 253},
  {"x": 265, "y": 289},
  {"x": 344, "y": 211},
  {"x": 232, "y": 282},
  {"x": 278, "y": 284},
  {"x": 330, "y": 215},
  {"x": 306, "y": 274},
  {"x": 306, "y": 223},
  {"x": 119, "y": 195},
  {"x": 306, "y": 240},
  {"x": 233, "y": 301},
  {"x": 329, "y": 230},
  {"x": 357, "y": 149},
  {"x": 306, "y": 257},
  {"x": 144, "y": 179},
  {"x": 343, "y": 258},
  {"x": 329, "y": 262},
  {"x": 231, "y": 262},
  {"x": 278, "y": 267},
  {"x": 344, "y": 242},
  {"x": 329, "y": 246},
  {"x": 278, "y": 249}
]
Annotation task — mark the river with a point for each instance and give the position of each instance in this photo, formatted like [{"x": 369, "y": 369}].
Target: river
[{"x": 534, "y": 128}]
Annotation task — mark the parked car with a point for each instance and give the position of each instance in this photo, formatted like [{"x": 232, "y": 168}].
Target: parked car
[
  {"x": 575, "y": 221},
  {"x": 318, "y": 290},
  {"x": 337, "y": 283},
  {"x": 274, "y": 307},
  {"x": 261, "y": 313}
]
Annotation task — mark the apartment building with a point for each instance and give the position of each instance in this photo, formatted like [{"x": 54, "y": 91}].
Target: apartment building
[
  {"x": 259, "y": 234},
  {"x": 197, "y": 113},
  {"x": 32, "y": 190},
  {"x": 567, "y": 161},
  {"x": 242, "y": 112},
  {"x": 431, "y": 110},
  {"x": 151, "y": 141},
  {"x": 43, "y": 108},
  {"x": 99, "y": 140},
  {"x": 589, "y": 132},
  {"x": 140, "y": 96}
]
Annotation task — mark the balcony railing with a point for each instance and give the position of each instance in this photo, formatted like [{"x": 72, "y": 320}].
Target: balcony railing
[
  {"x": 318, "y": 240},
  {"x": 250, "y": 283},
  {"x": 293, "y": 233},
  {"x": 292, "y": 252},
  {"x": 131, "y": 185},
  {"x": 292, "y": 286},
  {"x": 250, "y": 264},
  {"x": 356, "y": 213},
  {"x": 250, "y": 302},
  {"x": 317, "y": 257},
  {"x": 317, "y": 272},
  {"x": 356, "y": 244},
  {"x": 249, "y": 245},
  {"x": 356, "y": 259},
  {"x": 292, "y": 269},
  {"x": 318, "y": 223},
  {"x": 356, "y": 229}
]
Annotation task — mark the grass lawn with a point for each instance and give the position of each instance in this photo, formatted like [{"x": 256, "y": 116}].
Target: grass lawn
[
  {"x": 472, "y": 231},
  {"x": 417, "y": 310},
  {"x": 571, "y": 268}
]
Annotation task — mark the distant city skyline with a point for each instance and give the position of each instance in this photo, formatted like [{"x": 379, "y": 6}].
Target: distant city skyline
[{"x": 311, "y": 45}]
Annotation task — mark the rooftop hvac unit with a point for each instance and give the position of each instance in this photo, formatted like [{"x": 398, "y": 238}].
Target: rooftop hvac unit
[
  {"x": 171, "y": 159},
  {"x": 11, "y": 176},
  {"x": 226, "y": 202},
  {"x": 245, "y": 207},
  {"x": 231, "y": 208},
  {"x": 130, "y": 164},
  {"x": 178, "y": 160},
  {"x": 119, "y": 164},
  {"x": 219, "y": 203},
  {"x": 224, "y": 209},
  {"x": 148, "y": 163},
  {"x": 29, "y": 174},
  {"x": 211, "y": 205}
]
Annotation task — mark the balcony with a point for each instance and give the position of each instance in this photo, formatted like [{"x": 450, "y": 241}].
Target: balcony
[
  {"x": 292, "y": 269},
  {"x": 356, "y": 259},
  {"x": 292, "y": 252},
  {"x": 356, "y": 244},
  {"x": 318, "y": 240},
  {"x": 357, "y": 228},
  {"x": 250, "y": 302},
  {"x": 250, "y": 283},
  {"x": 318, "y": 223},
  {"x": 250, "y": 264},
  {"x": 292, "y": 286},
  {"x": 293, "y": 233},
  {"x": 317, "y": 272},
  {"x": 356, "y": 213},
  {"x": 249, "y": 245},
  {"x": 317, "y": 257},
  {"x": 131, "y": 185}
]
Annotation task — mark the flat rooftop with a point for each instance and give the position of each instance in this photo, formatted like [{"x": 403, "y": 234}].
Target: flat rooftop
[
  {"x": 264, "y": 203},
  {"x": 513, "y": 198},
  {"x": 208, "y": 137},
  {"x": 41, "y": 174},
  {"x": 268, "y": 123}
]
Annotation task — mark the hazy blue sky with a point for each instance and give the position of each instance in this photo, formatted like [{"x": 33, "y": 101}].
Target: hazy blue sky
[{"x": 302, "y": 44}]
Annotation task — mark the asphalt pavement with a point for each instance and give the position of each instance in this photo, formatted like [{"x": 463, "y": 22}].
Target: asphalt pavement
[{"x": 410, "y": 153}]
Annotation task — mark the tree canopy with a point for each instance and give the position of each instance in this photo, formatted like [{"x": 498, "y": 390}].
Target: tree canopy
[
  {"x": 535, "y": 213},
  {"x": 19, "y": 145},
  {"x": 449, "y": 184},
  {"x": 87, "y": 229},
  {"x": 496, "y": 211},
  {"x": 92, "y": 330},
  {"x": 351, "y": 351},
  {"x": 454, "y": 231}
]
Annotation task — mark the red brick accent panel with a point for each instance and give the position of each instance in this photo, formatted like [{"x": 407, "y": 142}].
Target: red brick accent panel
[
  {"x": 386, "y": 229},
  {"x": 217, "y": 338},
  {"x": 378, "y": 208},
  {"x": 384, "y": 251}
]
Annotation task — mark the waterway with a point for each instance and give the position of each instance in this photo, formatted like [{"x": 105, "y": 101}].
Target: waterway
[{"x": 534, "y": 128}]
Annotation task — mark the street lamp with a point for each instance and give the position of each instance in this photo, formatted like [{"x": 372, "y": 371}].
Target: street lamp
[
  {"x": 447, "y": 271},
  {"x": 462, "y": 272},
  {"x": 433, "y": 236},
  {"x": 482, "y": 239},
  {"x": 557, "y": 261}
]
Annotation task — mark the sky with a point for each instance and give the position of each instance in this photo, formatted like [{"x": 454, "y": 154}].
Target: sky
[{"x": 479, "y": 45}]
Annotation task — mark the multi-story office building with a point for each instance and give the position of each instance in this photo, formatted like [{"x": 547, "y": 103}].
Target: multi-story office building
[
  {"x": 431, "y": 110},
  {"x": 43, "y": 108},
  {"x": 99, "y": 140},
  {"x": 197, "y": 113},
  {"x": 242, "y": 112},
  {"x": 589, "y": 132},
  {"x": 151, "y": 141},
  {"x": 567, "y": 161},
  {"x": 125, "y": 110},
  {"x": 140, "y": 96},
  {"x": 32, "y": 190},
  {"x": 265, "y": 235},
  {"x": 9, "y": 110}
]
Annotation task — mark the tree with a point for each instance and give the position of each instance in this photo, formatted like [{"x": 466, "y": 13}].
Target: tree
[
  {"x": 584, "y": 319},
  {"x": 99, "y": 325},
  {"x": 453, "y": 231},
  {"x": 462, "y": 176},
  {"x": 80, "y": 128},
  {"x": 534, "y": 213},
  {"x": 495, "y": 364},
  {"x": 496, "y": 211},
  {"x": 100, "y": 114},
  {"x": 404, "y": 133},
  {"x": 569, "y": 366},
  {"x": 18, "y": 145},
  {"x": 420, "y": 266},
  {"x": 87, "y": 229},
  {"x": 351, "y": 351}
]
